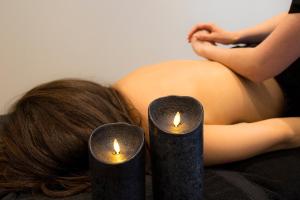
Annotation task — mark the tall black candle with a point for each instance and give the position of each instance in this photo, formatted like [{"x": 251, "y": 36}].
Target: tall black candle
[
  {"x": 117, "y": 162},
  {"x": 176, "y": 143}
]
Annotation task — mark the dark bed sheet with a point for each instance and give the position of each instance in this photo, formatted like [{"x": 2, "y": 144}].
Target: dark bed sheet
[
  {"x": 276, "y": 174},
  {"x": 272, "y": 176}
]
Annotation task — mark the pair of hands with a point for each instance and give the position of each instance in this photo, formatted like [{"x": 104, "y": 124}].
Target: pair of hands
[{"x": 206, "y": 35}]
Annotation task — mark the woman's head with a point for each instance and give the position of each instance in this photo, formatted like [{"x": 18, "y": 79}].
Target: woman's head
[{"x": 44, "y": 139}]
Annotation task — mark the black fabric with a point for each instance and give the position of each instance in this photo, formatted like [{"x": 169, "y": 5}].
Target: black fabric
[
  {"x": 289, "y": 81},
  {"x": 252, "y": 190},
  {"x": 277, "y": 173},
  {"x": 217, "y": 187},
  {"x": 26, "y": 196},
  {"x": 295, "y": 6}
]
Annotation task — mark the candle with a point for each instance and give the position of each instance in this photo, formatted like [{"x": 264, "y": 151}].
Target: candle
[
  {"x": 176, "y": 144},
  {"x": 117, "y": 162}
]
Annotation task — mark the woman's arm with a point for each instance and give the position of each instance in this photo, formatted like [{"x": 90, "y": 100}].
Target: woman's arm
[
  {"x": 254, "y": 34},
  {"x": 228, "y": 143},
  {"x": 267, "y": 60},
  {"x": 259, "y": 32}
]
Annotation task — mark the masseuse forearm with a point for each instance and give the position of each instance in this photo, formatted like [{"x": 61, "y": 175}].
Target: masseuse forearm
[
  {"x": 259, "y": 32},
  {"x": 239, "y": 60},
  {"x": 268, "y": 59}
]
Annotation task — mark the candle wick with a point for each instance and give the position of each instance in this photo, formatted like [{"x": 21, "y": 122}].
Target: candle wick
[
  {"x": 116, "y": 153},
  {"x": 177, "y": 124}
]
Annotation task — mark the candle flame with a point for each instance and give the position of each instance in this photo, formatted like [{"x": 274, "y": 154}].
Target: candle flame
[
  {"x": 116, "y": 147},
  {"x": 176, "y": 120}
]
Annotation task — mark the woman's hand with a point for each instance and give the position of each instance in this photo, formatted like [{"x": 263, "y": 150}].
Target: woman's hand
[
  {"x": 199, "y": 46},
  {"x": 213, "y": 34}
]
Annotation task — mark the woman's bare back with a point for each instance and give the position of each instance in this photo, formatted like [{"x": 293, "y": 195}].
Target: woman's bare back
[{"x": 226, "y": 97}]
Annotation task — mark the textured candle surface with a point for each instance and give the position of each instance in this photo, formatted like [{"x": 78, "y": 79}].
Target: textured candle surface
[
  {"x": 117, "y": 176},
  {"x": 176, "y": 152}
]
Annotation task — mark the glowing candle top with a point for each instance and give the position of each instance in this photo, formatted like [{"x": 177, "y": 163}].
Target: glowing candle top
[
  {"x": 176, "y": 115},
  {"x": 116, "y": 143}
]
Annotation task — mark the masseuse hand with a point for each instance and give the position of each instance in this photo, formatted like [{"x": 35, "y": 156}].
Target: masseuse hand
[
  {"x": 199, "y": 46},
  {"x": 214, "y": 34}
]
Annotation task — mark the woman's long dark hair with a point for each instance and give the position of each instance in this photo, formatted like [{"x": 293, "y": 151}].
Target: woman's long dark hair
[{"x": 43, "y": 144}]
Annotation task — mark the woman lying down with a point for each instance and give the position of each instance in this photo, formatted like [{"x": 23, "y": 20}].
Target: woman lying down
[{"x": 44, "y": 136}]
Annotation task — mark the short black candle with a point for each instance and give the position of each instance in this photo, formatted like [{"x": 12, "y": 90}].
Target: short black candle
[
  {"x": 117, "y": 162},
  {"x": 176, "y": 152}
]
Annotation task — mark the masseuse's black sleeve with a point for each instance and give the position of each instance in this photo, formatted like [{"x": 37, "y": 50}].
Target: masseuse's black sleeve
[{"x": 295, "y": 7}]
